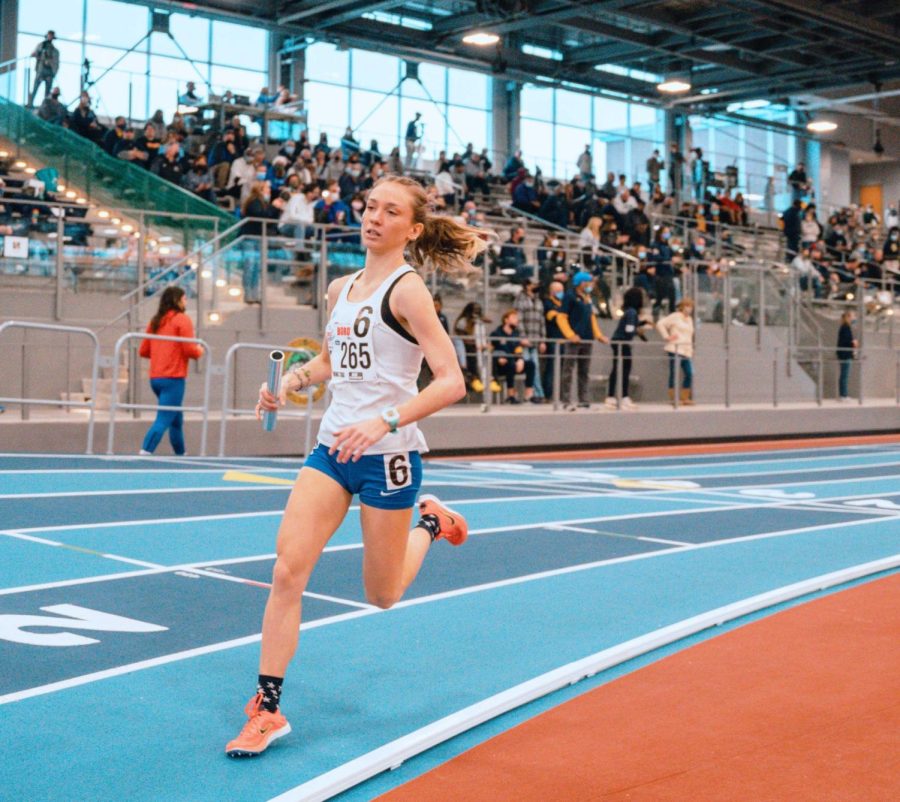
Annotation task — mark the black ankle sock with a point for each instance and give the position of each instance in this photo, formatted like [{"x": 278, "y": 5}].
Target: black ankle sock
[
  {"x": 270, "y": 688},
  {"x": 430, "y": 524}
]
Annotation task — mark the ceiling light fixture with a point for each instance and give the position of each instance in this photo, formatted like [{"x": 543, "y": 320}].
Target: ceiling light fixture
[
  {"x": 674, "y": 86},
  {"x": 481, "y": 38},
  {"x": 821, "y": 126}
]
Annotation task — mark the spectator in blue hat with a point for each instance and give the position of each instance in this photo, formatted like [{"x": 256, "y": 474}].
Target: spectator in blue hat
[{"x": 577, "y": 320}]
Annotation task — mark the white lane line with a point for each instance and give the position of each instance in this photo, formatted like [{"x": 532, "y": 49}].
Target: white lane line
[
  {"x": 394, "y": 753},
  {"x": 622, "y": 535},
  {"x": 148, "y": 491},
  {"x": 216, "y": 647},
  {"x": 142, "y": 471}
]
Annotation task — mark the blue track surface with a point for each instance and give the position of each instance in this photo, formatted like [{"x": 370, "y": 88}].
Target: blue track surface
[{"x": 566, "y": 558}]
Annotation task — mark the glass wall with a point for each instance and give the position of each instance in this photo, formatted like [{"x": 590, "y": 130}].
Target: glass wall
[
  {"x": 92, "y": 35},
  {"x": 764, "y": 158},
  {"x": 365, "y": 90},
  {"x": 557, "y": 124}
]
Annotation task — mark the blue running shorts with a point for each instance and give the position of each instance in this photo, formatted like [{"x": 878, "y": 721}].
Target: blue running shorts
[{"x": 383, "y": 481}]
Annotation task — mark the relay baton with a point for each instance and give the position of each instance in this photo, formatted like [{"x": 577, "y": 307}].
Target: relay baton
[{"x": 276, "y": 366}]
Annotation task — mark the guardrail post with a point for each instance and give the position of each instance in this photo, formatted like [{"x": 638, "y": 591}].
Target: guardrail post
[
  {"x": 676, "y": 376},
  {"x": 775, "y": 377},
  {"x": 263, "y": 278},
  {"x": 557, "y": 368},
  {"x": 24, "y": 412},
  {"x": 820, "y": 380},
  {"x": 761, "y": 317},
  {"x": 321, "y": 281},
  {"x": 60, "y": 266},
  {"x": 727, "y": 377}
]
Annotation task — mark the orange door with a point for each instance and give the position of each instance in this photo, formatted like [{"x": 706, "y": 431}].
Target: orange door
[{"x": 871, "y": 193}]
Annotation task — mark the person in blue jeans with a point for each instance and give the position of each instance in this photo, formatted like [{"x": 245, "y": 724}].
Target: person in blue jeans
[
  {"x": 845, "y": 345},
  {"x": 168, "y": 368}
]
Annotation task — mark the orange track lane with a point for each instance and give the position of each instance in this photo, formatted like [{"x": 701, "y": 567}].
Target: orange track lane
[
  {"x": 803, "y": 705},
  {"x": 691, "y": 448}
]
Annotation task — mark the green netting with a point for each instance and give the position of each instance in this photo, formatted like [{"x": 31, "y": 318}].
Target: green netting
[{"x": 100, "y": 176}]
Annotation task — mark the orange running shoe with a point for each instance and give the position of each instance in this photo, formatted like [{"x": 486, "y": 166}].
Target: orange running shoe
[
  {"x": 453, "y": 526},
  {"x": 262, "y": 728}
]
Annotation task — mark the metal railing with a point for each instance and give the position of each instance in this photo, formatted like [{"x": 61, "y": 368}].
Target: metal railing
[
  {"x": 91, "y": 405},
  {"x": 115, "y": 404},
  {"x": 227, "y": 388}
]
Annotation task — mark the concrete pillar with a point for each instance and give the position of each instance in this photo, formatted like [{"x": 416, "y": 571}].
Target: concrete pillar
[
  {"x": 9, "y": 16},
  {"x": 506, "y": 106}
]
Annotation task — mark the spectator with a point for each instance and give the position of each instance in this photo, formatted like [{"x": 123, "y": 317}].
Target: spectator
[
  {"x": 512, "y": 255},
  {"x": 698, "y": 174},
  {"x": 553, "y": 303},
  {"x": 513, "y": 164},
  {"x": 351, "y": 182},
  {"x": 845, "y": 345},
  {"x": 470, "y": 340},
  {"x": 46, "y": 65},
  {"x": 891, "y": 253},
  {"x": 892, "y": 217},
  {"x": 654, "y": 166},
  {"x": 394, "y": 163},
  {"x": 177, "y": 127},
  {"x": 169, "y": 165},
  {"x": 870, "y": 217},
  {"x": 534, "y": 329},
  {"x": 413, "y": 135},
  {"x": 810, "y": 228},
  {"x": 168, "y": 368},
  {"x": 508, "y": 346},
  {"x": 335, "y": 167},
  {"x": 445, "y": 186},
  {"x": 159, "y": 124},
  {"x": 623, "y": 203},
  {"x": 266, "y": 97},
  {"x": 551, "y": 256},
  {"x": 585, "y": 163},
  {"x": 677, "y": 331},
  {"x": 676, "y": 169},
  {"x": 475, "y": 178},
  {"x": 199, "y": 179},
  {"x": 579, "y": 325},
  {"x": 224, "y": 151},
  {"x": 637, "y": 225},
  {"x": 486, "y": 163},
  {"x": 258, "y": 207},
  {"x": 190, "y": 97},
  {"x": 838, "y": 247},
  {"x": 84, "y": 122},
  {"x": 51, "y": 110},
  {"x": 349, "y": 144},
  {"x": 661, "y": 256},
  {"x": 555, "y": 208},
  {"x": 629, "y": 326},
  {"x": 322, "y": 145},
  {"x": 525, "y": 197},
  {"x": 799, "y": 182},
  {"x": 127, "y": 150},
  {"x": 793, "y": 227},
  {"x": 244, "y": 172},
  {"x": 298, "y": 214},
  {"x": 608, "y": 190},
  {"x": 808, "y": 275},
  {"x": 114, "y": 135},
  {"x": 589, "y": 242}
]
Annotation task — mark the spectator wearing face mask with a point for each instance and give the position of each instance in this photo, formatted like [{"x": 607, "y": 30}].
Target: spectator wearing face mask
[
  {"x": 169, "y": 165},
  {"x": 513, "y": 164},
  {"x": 677, "y": 331},
  {"x": 578, "y": 323},
  {"x": 331, "y": 209},
  {"x": 508, "y": 345},
  {"x": 525, "y": 196},
  {"x": 551, "y": 256},
  {"x": 512, "y": 255},
  {"x": 52, "y": 111},
  {"x": 245, "y": 171},
  {"x": 534, "y": 329},
  {"x": 845, "y": 344},
  {"x": 258, "y": 207},
  {"x": 298, "y": 214},
  {"x": 628, "y": 328},
  {"x": 553, "y": 303},
  {"x": 351, "y": 182},
  {"x": 891, "y": 254},
  {"x": 892, "y": 217},
  {"x": 661, "y": 255}
]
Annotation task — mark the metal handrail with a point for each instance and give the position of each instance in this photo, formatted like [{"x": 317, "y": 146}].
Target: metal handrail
[
  {"x": 114, "y": 401},
  {"x": 95, "y": 369},
  {"x": 226, "y": 380}
]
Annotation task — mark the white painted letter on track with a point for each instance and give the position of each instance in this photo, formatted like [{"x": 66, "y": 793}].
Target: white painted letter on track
[{"x": 12, "y": 627}]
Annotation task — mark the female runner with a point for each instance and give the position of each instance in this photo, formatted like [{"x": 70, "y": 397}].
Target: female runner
[{"x": 382, "y": 322}]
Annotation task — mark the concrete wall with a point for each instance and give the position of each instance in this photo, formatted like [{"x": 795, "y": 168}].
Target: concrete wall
[
  {"x": 888, "y": 175},
  {"x": 834, "y": 178}
]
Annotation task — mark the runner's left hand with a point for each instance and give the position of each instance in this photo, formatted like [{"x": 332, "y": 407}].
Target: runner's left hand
[{"x": 352, "y": 441}]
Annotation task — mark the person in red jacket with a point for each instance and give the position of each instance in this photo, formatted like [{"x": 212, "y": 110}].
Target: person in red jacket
[{"x": 168, "y": 368}]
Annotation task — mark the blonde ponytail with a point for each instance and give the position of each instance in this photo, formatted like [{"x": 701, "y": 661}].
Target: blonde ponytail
[
  {"x": 448, "y": 246},
  {"x": 444, "y": 244}
]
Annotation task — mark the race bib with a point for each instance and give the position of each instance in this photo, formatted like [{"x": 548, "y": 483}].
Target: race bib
[
  {"x": 397, "y": 471},
  {"x": 350, "y": 346}
]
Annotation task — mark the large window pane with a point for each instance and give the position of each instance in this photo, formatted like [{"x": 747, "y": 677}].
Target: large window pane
[
  {"x": 570, "y": 144},
  {"x": 573, "y": 108},
  {"x": 375, "y": 71},
  {"x": 115, "y": 24},
  {"x": 467, "y": 125},
  {"x": 324, "y": 62},
  {"x": 468, "y": 88},
  {"x": 432, "y": 80},
  {"x": 537, "y": 103},
  {"x": 111, "y": 92},
  {"x": 610, "y": 116},
  {"x": 61, "y": 16},
  {"x": 240, "y": 82},
  {"x": 192, "y": 34},
  {"x": 327, "y": 111},
  {"x": 537, "y": 145},
  {"x": 239, "y": 45},
  {"x": 382, "y": 122}
]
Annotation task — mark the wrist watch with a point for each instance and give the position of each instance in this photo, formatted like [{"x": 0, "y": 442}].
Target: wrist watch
[{"x": 391, "y": 416}]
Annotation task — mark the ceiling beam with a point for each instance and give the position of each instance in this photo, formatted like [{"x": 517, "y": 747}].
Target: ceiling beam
[{"x": 347, "y": 15}]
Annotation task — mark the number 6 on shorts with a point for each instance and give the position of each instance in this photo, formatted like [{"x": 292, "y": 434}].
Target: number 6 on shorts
[{"x": 397, "y": 471}]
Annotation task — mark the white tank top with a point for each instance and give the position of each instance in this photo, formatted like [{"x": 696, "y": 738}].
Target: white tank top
[{"x": 375, "y": 364}]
